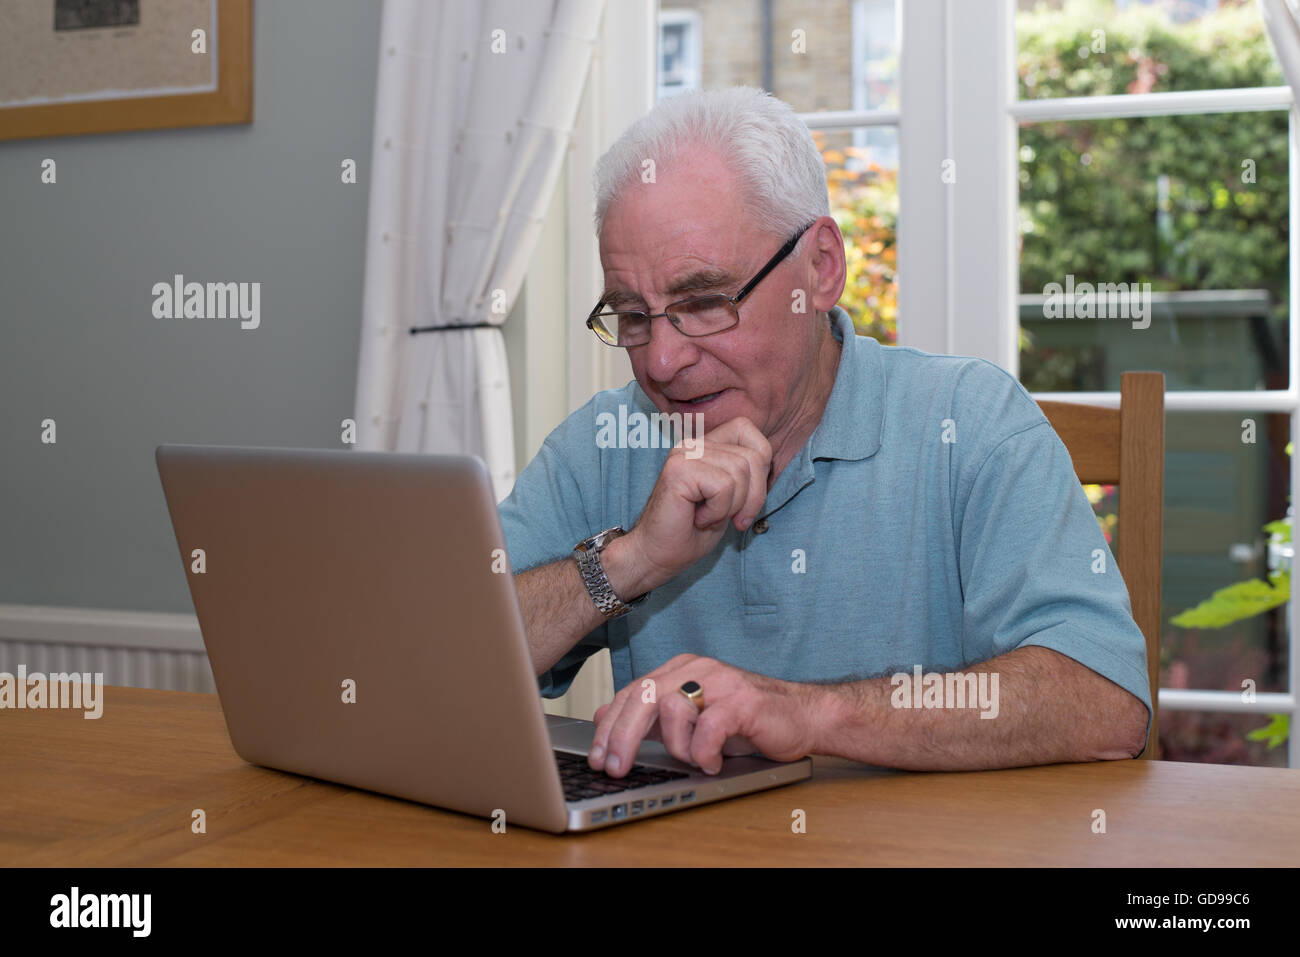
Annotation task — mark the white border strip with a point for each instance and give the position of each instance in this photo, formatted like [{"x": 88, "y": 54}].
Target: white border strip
[
  {"x": 1183, "y": 103},
  {"x": 101, "y": 627},
  {"x": 1266, "y": 702},
  {"x": 1245, "y": 401},
  {"x": 850, "y": 119}
]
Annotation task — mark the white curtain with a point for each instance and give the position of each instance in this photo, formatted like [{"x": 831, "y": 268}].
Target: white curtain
[
  {"x": 1282, "y": 17},
  {"x": 474, "y": 111}
]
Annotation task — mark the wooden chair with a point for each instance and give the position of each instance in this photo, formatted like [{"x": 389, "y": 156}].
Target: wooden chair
[{"x": 1126, "y": 447}]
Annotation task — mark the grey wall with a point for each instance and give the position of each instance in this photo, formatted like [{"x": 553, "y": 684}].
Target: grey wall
[{"x": 83, "y": 522}]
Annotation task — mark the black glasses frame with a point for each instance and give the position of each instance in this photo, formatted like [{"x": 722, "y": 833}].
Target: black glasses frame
[{"x": 668, "y": 310}]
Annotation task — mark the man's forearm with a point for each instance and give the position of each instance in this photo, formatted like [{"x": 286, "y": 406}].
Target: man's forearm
[
  {"x": 557, "y": 608},
  {"x": 1050, "y": 709}
]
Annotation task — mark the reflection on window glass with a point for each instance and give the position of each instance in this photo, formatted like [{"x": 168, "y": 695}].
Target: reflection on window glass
[{"x": 1096, "y": 47}]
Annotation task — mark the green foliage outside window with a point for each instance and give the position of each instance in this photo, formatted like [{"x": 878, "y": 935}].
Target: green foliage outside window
[{"x": 1181, "y": 202}]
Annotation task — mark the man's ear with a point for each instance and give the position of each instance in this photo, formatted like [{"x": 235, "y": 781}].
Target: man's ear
[{"x": 827, "y": 269}]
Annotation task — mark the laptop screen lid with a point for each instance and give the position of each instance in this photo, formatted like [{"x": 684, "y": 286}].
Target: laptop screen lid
[{"x": 360, "y": 617}]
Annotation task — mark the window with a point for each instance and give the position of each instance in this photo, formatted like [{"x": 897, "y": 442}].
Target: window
[
  {"x": 875, "y": 74},
  {"x": 836, "y": 63},
  {"x": 679, "y": 52},
  {"x": 1153, "y": 160}
]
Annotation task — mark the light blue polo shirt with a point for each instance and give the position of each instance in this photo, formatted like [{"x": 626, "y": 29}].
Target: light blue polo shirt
[{"x": 933, "y": 518}]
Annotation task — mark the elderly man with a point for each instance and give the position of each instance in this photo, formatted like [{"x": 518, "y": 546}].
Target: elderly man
[{"x": 854, "y": 515}]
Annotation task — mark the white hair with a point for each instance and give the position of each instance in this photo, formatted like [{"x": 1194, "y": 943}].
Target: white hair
[{"x": 768, "y": 148}]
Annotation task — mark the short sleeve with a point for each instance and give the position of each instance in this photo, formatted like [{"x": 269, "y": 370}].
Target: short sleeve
[
  {"x": 1035, "y": 567},
  {"x": 542, "y": 518}
]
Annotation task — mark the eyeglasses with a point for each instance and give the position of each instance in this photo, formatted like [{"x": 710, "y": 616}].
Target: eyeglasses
[{"x": 695, "y": 317}]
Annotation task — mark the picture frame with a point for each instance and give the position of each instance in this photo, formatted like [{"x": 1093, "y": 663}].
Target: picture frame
[{"x": 231, "y": 102}]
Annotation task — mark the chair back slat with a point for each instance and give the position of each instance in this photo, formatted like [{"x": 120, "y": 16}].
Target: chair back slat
[{"x": 1126, "y": 447}]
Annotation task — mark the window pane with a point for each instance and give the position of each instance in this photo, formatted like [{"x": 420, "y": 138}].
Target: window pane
[
  {"x": 679, "y": 52},
  {"x": 1224, "y": 482},
  {"x": 1097, "y": 47},
  {"x": 862, "y": 178},
  {"x": 1227, "y": 476},
  {"x": 1155, "y": 243},
  {"x": 813, "y": 55},
  {"x": 1217, "y": 738}
]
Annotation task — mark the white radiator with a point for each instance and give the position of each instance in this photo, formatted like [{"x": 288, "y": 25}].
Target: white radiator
[
  {"x": 165, "y": 651},
  {"x": 135, "y": 649}
]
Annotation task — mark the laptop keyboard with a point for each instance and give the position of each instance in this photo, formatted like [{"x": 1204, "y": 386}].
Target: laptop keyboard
[{"x": 581, "y": 782}]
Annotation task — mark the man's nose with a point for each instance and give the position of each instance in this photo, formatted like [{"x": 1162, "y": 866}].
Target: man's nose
[{"x": 668, "y": 351}]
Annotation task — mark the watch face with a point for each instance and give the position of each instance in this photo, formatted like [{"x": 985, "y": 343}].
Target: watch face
[{"x": 601, "y": 539}]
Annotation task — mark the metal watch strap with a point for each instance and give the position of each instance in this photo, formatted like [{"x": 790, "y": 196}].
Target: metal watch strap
[{"x": 587, "y": 554}]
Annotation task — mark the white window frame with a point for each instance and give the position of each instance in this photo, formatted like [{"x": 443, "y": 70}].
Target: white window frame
[{"x": 978, "y": 128}]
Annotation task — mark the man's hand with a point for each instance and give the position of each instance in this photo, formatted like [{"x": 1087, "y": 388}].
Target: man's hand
[
  {"x": 683, "y": 520},
  {"x": 696, "y": 496},
  {"x": 742, "y": 713}
]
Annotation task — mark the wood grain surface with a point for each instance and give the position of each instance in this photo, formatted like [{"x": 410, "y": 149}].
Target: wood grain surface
[{"x": 120, "y": 791}]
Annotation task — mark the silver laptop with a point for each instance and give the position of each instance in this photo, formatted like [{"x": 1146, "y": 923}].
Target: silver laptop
[{"x": 358, "y": 633}]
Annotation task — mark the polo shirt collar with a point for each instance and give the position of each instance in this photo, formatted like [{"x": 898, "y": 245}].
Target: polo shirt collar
[{"x": 853, "y": 420}]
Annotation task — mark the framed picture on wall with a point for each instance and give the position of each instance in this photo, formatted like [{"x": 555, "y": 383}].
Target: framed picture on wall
[{"x": 103, "y": 66}]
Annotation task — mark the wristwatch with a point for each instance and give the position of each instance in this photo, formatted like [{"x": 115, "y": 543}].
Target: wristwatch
[{"x": 587, "y": 553}]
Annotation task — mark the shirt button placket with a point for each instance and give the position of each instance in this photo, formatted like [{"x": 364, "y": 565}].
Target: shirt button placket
[{"x": 752, "y": 590}]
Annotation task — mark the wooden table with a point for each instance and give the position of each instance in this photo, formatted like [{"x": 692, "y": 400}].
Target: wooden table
[{"x": 121, "y": 790}]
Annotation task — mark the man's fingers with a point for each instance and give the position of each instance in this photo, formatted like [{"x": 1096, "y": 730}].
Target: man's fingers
[
  {"x": 738, "y": 467},
  {"x": 740, "y": 447},
  {"x": 604, "y": 725},
  {"x": 716, "y": 724},
  {"x": 759, "y": 467},
  {"x": 626, "y": 732},
  {"x": 677, "y": 717},
  {"x": 716, "y": 486},
  {"x": 739, "y": 431},
  {"x": 731, "y": 500}
]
